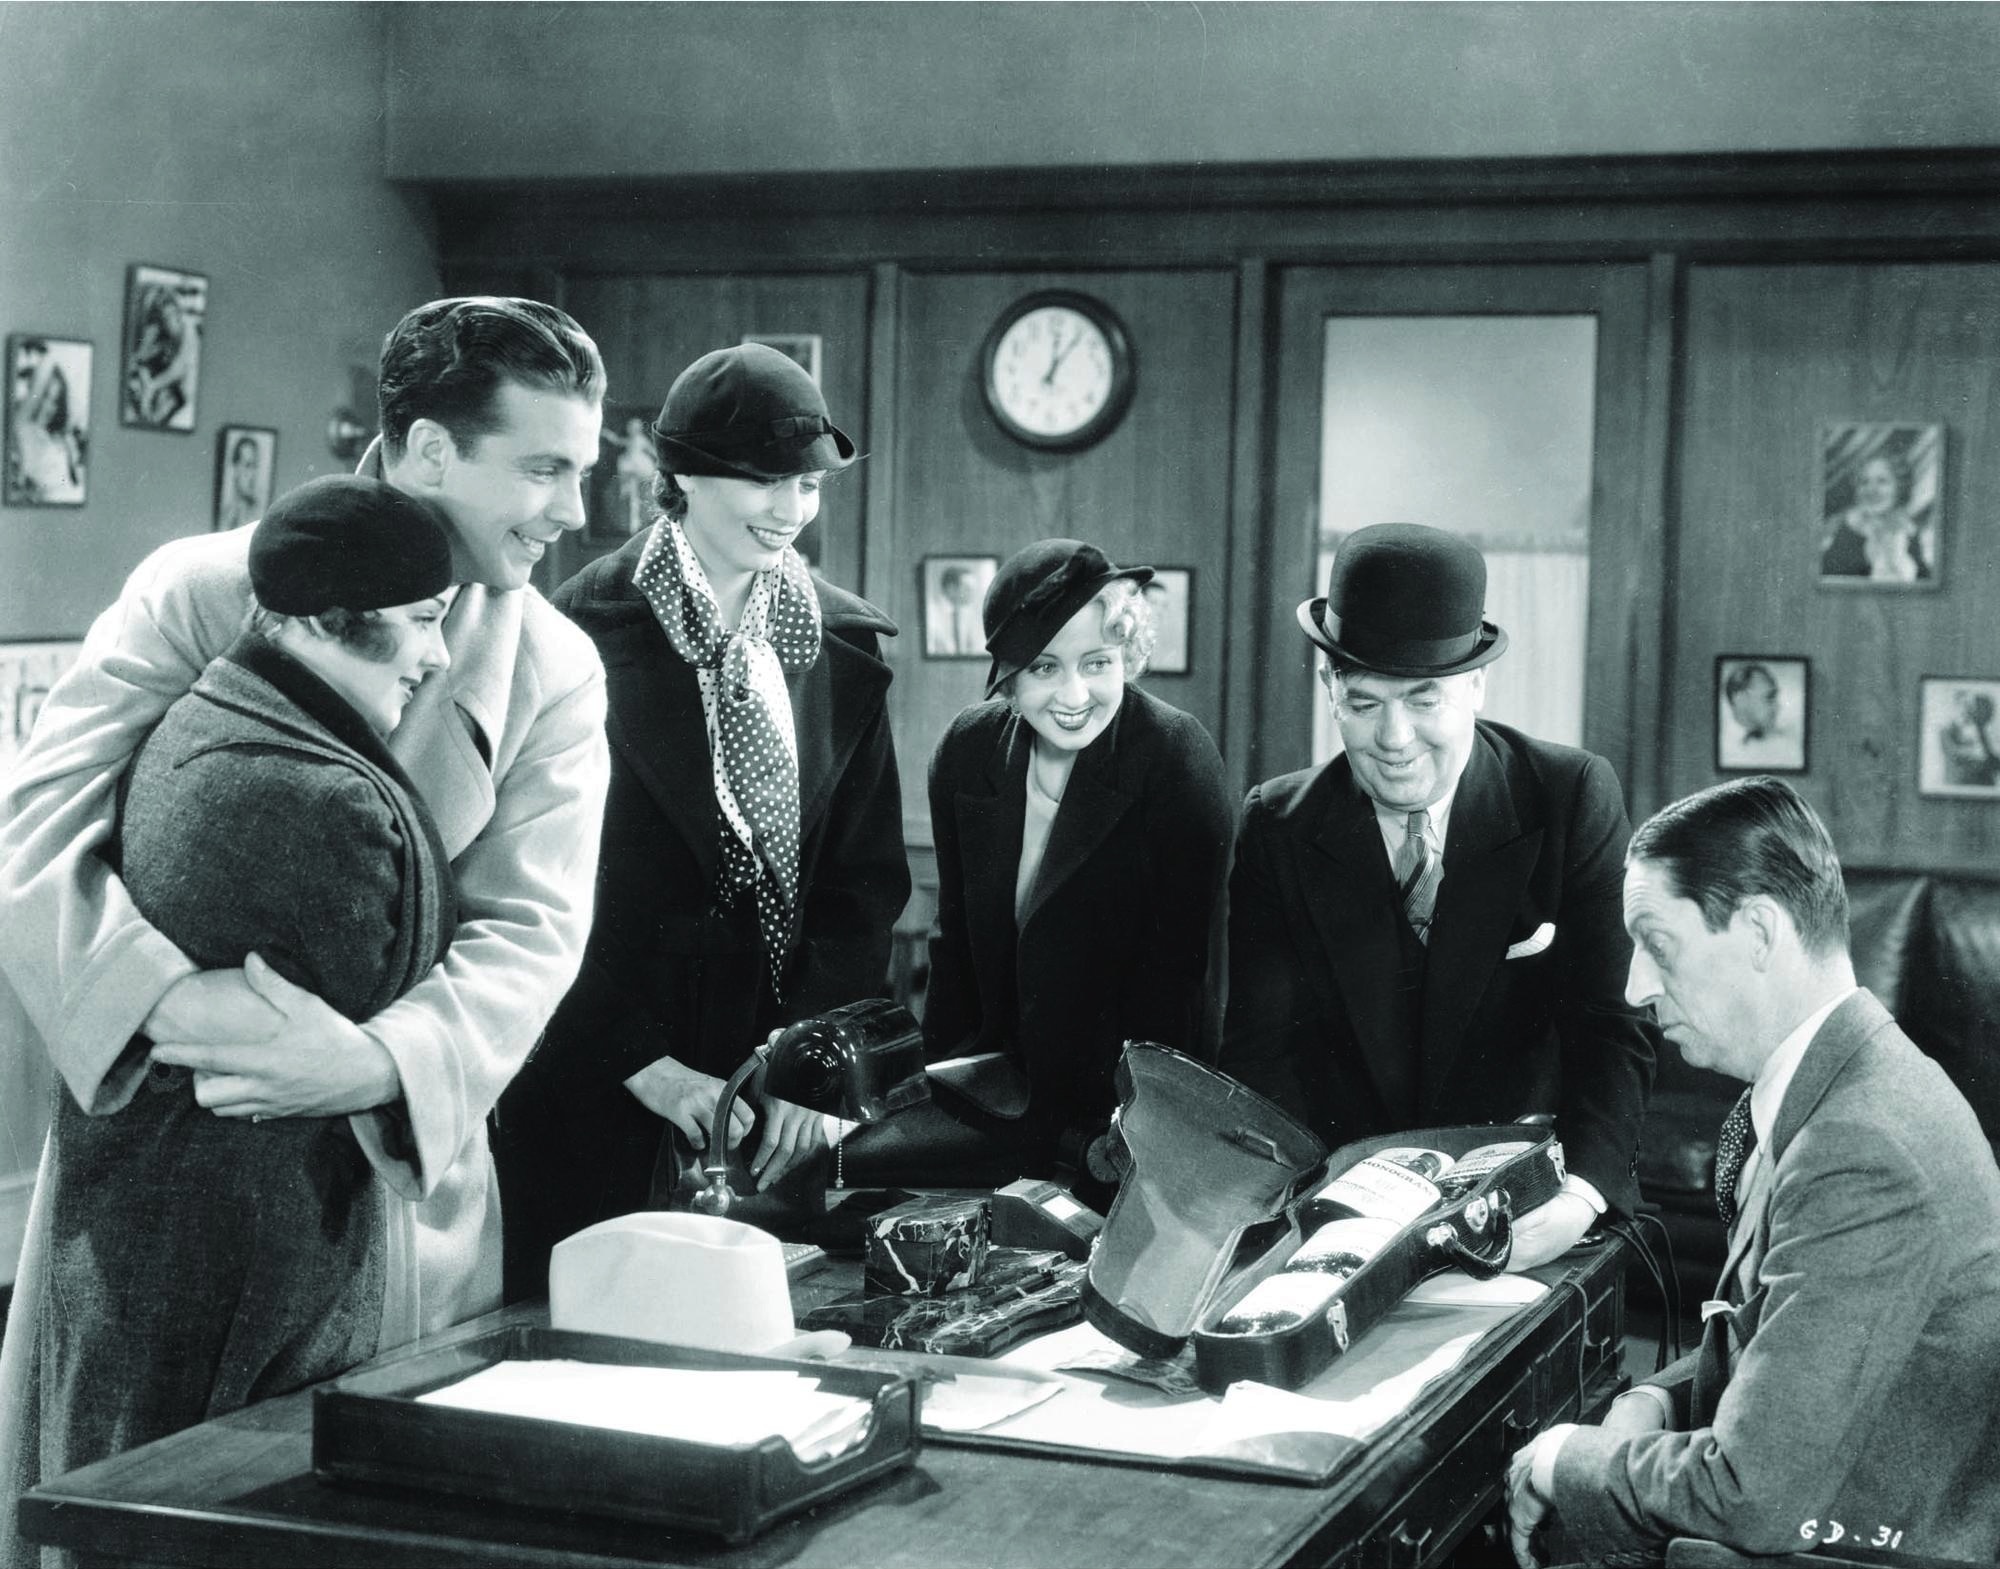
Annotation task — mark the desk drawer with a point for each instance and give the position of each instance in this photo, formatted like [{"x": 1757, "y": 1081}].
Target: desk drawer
[{"x": 1458, "y": 1490}]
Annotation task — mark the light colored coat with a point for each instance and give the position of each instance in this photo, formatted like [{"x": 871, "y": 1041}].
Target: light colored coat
[
  {"x": 507, "y": 748},
  {"x": 1856, "y": 1375}
]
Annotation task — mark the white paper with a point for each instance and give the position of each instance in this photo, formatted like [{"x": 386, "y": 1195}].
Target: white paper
[{"x": 721, "y": 1407}]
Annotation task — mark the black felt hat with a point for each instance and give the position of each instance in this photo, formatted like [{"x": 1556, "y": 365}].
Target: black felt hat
[
  {"x": 1034, "y": 594},
  {"x": 1405, "y": 600},
  {"x": 347, "y": 542},
  {"x": 748, "y": 413}
]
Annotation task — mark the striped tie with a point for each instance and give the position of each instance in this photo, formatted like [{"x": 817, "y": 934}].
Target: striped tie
[{"x": 1417, "y": 873}]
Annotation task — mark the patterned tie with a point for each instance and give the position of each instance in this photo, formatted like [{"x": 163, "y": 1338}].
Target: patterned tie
[
  {"x": 1417, "y": 874},
  {"x": 1732, "y": 1148}
]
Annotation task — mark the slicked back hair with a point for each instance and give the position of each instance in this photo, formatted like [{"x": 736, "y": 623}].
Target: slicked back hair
[
  {"x": 447, "y": 361},
  {"x": 1732, "y": 842}
]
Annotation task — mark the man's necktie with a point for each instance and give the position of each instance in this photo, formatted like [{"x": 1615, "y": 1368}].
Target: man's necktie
[
  {"x": 1417, "y": 874},
  {"x": 1732, "y": 1148}
]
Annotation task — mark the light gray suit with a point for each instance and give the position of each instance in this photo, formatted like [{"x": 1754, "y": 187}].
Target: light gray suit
[{"x": 1856, "y": 1378}]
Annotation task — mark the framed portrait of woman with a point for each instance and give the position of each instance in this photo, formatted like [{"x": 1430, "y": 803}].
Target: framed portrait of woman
[
  {"x": 47, "y": 456},
  {"x": 160, "y": 371},
  {"x": 1958, "y": 737},
  {"x": 1879, "y": 505},
  {"x": 246, "y": 464}
]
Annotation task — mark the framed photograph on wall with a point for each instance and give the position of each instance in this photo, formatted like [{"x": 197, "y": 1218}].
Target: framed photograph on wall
[
  {"x": 801, "y": 346},
  {"x": 1880, "y": 505},
  {"x": 246, "y": 464},
  {"x": 47, "y": 462},
  {"x": 1958, "y": 737},
  {"x": 160, "y": 372},
  {"x": 1763, "y": 713},
  {"x": 27, "y": 671},
  {"x": 954, "y": 592},
  {"x": 1171, "y": 596},
  {"x": 620, "y": 502}
]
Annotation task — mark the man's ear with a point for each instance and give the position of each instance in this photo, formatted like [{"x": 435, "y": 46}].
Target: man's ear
[
  {"x": 1475, "y": 689},
  {"x": 428, "y": 453},
  {"x": 1763, "y": 923}
]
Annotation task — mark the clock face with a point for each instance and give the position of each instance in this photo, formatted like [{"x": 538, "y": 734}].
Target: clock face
[{"x": 1058, "y": 374}]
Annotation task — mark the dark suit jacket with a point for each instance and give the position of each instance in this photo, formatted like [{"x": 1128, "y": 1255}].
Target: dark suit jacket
[
  {"x": 1116, "y": 941},
  {"x": 1537, "y": 835},
  {"x": 1857, "y": 1378},
  {"x": 673, "y": 968}
]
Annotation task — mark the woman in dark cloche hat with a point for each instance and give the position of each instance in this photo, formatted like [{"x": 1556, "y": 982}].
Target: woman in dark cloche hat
[
  {"x": 753, "y": 864},
  {"x": 1082, "y": 829},
  {"x": 209, "y": 1250}
]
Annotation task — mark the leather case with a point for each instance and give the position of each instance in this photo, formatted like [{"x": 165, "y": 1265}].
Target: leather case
[
  {"x": 1211, "y": 1202},
  {"x": 1417, "y": 1228}
]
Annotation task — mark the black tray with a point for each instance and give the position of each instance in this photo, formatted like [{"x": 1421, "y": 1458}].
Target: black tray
[
  {"x": 1470, "y": 1229},
  {"x": 370, "y": 1428}
]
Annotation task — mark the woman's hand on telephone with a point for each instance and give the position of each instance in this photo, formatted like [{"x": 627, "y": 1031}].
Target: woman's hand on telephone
[{"x": 686, "y": 1097}]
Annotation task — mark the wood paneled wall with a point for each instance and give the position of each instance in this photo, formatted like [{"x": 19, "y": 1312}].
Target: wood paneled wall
[
  {"x": 1768, "y": 353},
  {"x": 1155, "y": 491}
]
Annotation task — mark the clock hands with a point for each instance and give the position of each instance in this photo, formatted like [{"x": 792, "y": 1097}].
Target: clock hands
[{"x": 1061, "y": 353}]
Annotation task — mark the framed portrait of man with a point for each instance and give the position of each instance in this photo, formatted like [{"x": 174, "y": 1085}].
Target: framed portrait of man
[
  {"x": 160, "y": 373},
  {"x": 954, "y": 595},
  {"x": 47, "y": 462},
  {"x": 1763, "y": 713},
  {"x": 1958, "y": 737},
  {"x": 1879, "y": 505},
  {"x": 246, "y": 466}
]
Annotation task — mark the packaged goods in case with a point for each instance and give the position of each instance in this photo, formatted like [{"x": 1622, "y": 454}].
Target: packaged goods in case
[{"x": 1379, "y": 1188}]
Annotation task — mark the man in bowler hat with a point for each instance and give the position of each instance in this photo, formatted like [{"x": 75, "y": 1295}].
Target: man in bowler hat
[{"x": 1426, "y": 930}]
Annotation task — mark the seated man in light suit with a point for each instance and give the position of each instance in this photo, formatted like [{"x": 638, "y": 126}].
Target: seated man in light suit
[
  {"x": 1847, "y": 1387},
  {"x": 1425, "y": 930}
]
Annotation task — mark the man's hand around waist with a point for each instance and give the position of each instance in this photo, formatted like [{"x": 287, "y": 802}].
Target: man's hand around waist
[{"x": 262, "y": 1047}]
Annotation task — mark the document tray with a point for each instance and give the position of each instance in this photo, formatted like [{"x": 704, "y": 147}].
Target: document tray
[{"x": 369, "y": 1427}]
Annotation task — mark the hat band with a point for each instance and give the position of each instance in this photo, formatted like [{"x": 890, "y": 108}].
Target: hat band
[
  {"x": 1365, "y": 645},
  {"x": 795, "y": 427}
]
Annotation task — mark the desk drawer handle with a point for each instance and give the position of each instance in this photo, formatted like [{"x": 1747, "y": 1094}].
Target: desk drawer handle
[{"x": 1400, "y": 1537}]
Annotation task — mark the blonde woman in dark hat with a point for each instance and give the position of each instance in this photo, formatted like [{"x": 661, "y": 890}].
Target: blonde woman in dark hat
[
  {"x": 1082, "y": 829},
  {"x": 753, "y": 862},
  {"x": 206, "y": 1245},
  {"x": 1428, "y": 929}
]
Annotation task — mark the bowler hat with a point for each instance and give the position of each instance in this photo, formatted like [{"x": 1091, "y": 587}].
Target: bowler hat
[
  {"x": 1405, "y": 600},
  {"x": 748, "y": 413},
  {"x": 348, "y": 542},
  {"x": 1034, "y": 594}
]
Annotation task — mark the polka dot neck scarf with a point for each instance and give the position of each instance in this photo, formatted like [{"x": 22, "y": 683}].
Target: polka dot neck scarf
[{"x": 751, "y": 740}]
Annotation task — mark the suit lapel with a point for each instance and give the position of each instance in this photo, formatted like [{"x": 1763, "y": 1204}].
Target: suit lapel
[
  {"x": 657, "y": 725},
  {"x": 1350, "y": 897},
  {"x": 1487, "y": 863},
  {"x": 1829, "y": 1051},
  {"x": 1092, "y": 803},
  {"x": 990, "y": 815}
]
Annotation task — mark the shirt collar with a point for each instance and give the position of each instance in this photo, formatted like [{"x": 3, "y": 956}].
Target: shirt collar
[
  {"x": 1395, "y": 824},
  {"x": 1767, "y": 1094}
]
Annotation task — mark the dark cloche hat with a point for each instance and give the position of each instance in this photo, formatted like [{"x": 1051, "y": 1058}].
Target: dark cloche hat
[
  {"x": 1405, "y": 600},
  {"x": 1034, "y": 594},
  {"x": 748, "y": 413},
  {"x": 347, "y": 542}
]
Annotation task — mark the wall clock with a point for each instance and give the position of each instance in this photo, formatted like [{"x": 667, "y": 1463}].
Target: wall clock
[{"x": 1057, "y": 370}]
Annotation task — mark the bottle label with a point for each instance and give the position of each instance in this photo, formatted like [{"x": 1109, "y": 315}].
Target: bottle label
[{"x": 1385, "y": 1189}]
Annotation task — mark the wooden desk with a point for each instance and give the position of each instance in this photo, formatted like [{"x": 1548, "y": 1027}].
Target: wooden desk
[{"x": 240, "y": 1491}]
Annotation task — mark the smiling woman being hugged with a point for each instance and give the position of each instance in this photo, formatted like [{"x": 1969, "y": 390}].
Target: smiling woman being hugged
[
  {"x": 1083, "y": 831},
  {"x": 752, "y": 865}
]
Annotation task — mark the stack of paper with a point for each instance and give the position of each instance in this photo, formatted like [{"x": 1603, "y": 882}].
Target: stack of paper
[{"x": 721, "y": 1407}]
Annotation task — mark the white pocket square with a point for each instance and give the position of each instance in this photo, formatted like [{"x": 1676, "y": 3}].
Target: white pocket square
[{"x": 1529, "y": 946}]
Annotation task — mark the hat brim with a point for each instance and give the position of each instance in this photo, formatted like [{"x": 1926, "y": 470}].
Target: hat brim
[
  {"x": 1491, "y": 644},
  {"x": 830, "y": 452},
  {"x": 1058, "y": 617}
]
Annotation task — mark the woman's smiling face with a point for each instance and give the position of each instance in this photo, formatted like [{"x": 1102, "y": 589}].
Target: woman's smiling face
[
  {"x": 745, "y": 525},
  {"x": 1069, "y": 693}
]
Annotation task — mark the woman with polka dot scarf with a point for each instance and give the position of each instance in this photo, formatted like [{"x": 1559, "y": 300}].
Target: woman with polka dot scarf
[{"x": 753, "y": 862}]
